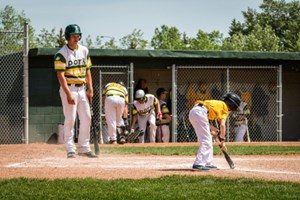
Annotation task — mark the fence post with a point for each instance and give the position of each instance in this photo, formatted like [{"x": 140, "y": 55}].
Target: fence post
[
  {"x": 174, "y": 104},
  {"x": 25, "y": 83}
]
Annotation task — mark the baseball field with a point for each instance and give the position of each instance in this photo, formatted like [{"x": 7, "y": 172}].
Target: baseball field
[{"x": 150, "y": 171}]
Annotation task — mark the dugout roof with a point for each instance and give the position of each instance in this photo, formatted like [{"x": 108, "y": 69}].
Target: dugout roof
[{"x": 163, "y": 58}]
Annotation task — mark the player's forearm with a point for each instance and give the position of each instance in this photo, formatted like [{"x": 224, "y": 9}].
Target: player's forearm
[
  {"x": 89, "y": 82},
  {"x": 63, "y": 83}
]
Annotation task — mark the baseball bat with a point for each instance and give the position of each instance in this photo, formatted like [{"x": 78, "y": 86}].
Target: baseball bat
[
  {"x": 226, "y": 155},
  {"x": 161, "y": 132},
  {"x": 247, "y": 131},
  {"x": 94, "y": 132},
  {"x": 185, "y": 129}
]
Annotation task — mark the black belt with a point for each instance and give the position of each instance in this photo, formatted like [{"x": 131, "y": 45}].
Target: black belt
[
  {"x": 115, "y": 95},
  {"x": 201, "y": 105},
  {"x": 76, "y": 85}
]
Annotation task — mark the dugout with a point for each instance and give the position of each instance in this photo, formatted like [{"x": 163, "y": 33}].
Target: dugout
[{"x": 178, "y": 71}]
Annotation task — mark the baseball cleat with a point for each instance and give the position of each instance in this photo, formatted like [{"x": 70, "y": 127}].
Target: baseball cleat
[
  {"x": 71, "y": 155},
  {"x": 211, "y": 166},
  {"x": 88, "y": 154},
  {"x": 201, "y": 167}
]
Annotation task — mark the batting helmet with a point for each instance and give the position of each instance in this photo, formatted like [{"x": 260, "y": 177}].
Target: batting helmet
[
  {"x": 139, "y": 95},
  {"x": 232, "y": 100},
  {"x": 121, "y": 83},
  {"x": 71, "y": 30}
]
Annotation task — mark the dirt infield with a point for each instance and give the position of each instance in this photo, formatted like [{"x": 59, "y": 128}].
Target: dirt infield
[{"x": 40, "y": 160}]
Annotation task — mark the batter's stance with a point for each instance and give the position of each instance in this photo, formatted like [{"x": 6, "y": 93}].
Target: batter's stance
[
  {"x": 199, "y": 116},
  {"x": 73, "y": 64},
  {"x": 143, "y": 111},
  {"x": 116, "y": 99}
]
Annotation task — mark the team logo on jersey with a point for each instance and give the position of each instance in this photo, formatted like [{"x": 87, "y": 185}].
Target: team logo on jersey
[{"x": 76, "y": 62}]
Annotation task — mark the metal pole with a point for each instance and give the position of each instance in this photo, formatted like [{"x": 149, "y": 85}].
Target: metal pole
[
  {"x": 100, "y": 108},
  {"x": 227, "y": 90},
  {"x": 279, "y": 101},
  {"x": 131, "y": 91},
  {"x": 25, "y": 83},
  {"x": 174, "y": 104}
]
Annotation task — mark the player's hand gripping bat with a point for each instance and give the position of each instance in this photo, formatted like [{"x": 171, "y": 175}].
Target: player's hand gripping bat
[
  {"x": 226, "y": 155},
  {"x": 95, "y": 135}
]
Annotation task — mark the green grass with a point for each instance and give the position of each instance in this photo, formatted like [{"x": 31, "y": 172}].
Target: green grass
[
  {"x": 191, "y": 150},
  {"x": 168, "y": 187}
]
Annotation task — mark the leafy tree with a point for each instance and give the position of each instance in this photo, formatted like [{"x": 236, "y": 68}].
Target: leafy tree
[
  {"x": 61, "y": 41},
  {"x": 110, "y": 44},
  {"x": 88, "y": 42},
  {"x": 207, "y": 41},
  {"x": 235, "y": 42},
  {"x": 167, "y": 38},
  {"x": 259, "y": 39},
  {"x": 47, "y": 38},
  {"x": 134, "y": 40},
  {"x": 281, "y": 17},
  {"x": 12, "y": 22}
]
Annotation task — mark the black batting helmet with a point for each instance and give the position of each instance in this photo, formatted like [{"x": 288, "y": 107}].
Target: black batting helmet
[{"x": 232, "y": 100}]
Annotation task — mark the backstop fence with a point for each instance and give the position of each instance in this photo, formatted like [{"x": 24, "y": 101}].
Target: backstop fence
[
  {"x": 258, "y": 86},
  {"x": 14, "y": 86}
]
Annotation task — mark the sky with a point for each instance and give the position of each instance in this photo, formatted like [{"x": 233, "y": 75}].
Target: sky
[{"x": 118, "y": 18}]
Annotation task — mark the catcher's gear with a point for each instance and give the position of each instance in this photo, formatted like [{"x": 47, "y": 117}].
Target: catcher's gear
[
  {"x": 139, "y": 95},
  {"x": 133, "y": 135},
  {"x": 122, "y": 134},
  {"x": 71, "y": 30},
  {"x": 232, "y": 100}
]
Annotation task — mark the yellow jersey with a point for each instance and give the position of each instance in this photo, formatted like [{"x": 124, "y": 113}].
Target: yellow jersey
[{"x": 216, "y": 109}]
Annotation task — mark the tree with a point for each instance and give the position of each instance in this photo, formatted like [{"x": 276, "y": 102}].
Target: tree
[
  {"x": 258, "y": 39},
  {"x": 207, "y": 41},
  {"x": 12, "y": 22},
  {"x": 47, "y": 38},
  {"x": 134, "y": 40},
  {"x": 61, "y": 41},
  {"x": 167, "y": 38},
  {"x": 281, "y": 17}
]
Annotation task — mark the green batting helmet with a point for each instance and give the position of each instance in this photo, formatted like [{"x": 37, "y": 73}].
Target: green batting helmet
[{"x": 71, "y": 30}]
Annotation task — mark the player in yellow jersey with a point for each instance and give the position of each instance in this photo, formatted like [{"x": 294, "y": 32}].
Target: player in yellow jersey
[
  {"x": 116, "y": 100},
  {"x": 72, "y": 65},
  {"x": 199, "y": 116}
]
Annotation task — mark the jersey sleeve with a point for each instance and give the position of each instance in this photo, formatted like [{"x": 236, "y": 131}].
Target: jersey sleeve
[{"x": 59, "y": 62}]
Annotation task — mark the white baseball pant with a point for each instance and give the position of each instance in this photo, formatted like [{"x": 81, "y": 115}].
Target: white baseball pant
[
  {"x": 82, "y": 107},
  {"x": 240, "y": 132},
  {"x": 166, "y": 133},
  {"x": 199, "y": 120},
  {"x": 142, "y": 122},
  {"x": 114, "y": 108}
]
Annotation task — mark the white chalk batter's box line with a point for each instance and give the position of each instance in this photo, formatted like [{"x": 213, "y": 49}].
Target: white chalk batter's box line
[{"x": 138, "y": 163}]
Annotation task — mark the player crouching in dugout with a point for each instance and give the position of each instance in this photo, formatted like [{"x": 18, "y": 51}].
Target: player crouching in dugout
[{"x": 144, "y": 107}]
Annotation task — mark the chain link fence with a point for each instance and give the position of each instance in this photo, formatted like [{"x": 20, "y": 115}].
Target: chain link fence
[
  {"x": 257, "y": 86},
  {"x": 11, "y": 87},
  {"x": 103, "y": 75}
]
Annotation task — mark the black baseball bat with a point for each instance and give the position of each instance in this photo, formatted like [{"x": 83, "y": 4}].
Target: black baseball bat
[{"x": 95, "y": 135}]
